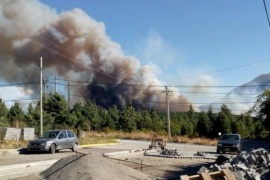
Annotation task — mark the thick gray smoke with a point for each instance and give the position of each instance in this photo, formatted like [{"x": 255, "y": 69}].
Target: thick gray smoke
[{"x": 75, "y": 46}]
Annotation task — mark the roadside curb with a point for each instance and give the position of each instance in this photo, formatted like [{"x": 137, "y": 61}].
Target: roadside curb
[
  {"x": 26, "y": 165},
  {"x": 94, "y": 145},
  {"x": 19, "y": 170},
  {"x": 80, "y": 146}
]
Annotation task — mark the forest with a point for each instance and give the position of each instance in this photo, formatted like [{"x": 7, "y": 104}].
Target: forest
[{"x": 90, "y": 117}]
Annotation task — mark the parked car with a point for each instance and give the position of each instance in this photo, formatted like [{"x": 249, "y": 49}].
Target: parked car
[
  {"x": 53, "y": 141},
  {"x": 229, "y": 143}
]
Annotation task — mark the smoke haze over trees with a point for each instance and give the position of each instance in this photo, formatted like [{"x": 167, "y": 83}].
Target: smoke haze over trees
[{"x": 90, "y": 117}]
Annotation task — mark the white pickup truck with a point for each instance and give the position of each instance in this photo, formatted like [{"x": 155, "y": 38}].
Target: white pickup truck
[{"x": 229, "y": 143}]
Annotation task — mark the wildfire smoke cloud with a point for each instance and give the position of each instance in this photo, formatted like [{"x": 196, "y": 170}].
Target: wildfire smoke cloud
[{"x": 75, "y": 46}]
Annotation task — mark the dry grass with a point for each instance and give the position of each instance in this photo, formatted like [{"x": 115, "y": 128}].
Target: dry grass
[
  {"x": 12, "y": 144},
  {"x": 97, "y": 140},
  {"x": 112, "y": 137},
  {"x": 150, "y": 135}
]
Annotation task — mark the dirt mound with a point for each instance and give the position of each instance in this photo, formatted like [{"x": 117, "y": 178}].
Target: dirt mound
[{"x": 93, "y": 166}]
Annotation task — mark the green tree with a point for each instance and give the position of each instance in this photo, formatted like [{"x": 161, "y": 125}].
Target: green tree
[
  {"x": 105, "y": 121},
  {"x": 113, "y": 113},
  {"x": 192, "y": 118},
  {"x": 262, "y": 108},
  {"x": 144, "y": 120},
  {"x": 77, "y": 117},
  {"x": 128, "y": 119},
  {"x": 91, "y": 114},
  {"x": 223, "y": 121},
  {"x": 32, "y": 116},
  {"x": 212, "y": 117},
  {"x": 56, "y": 108},
  {"x": 158, "y": 123},
  {"x": 204, "y": 125},
  {"x": 3, "y": 114},
  {"x": 16, "y": 115}
]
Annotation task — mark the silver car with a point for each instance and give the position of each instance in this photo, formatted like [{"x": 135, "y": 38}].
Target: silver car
[{"x": 53, "y": 141}]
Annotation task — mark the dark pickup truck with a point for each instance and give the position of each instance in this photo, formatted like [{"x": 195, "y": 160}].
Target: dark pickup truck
[{"x": 229, "y": 143}]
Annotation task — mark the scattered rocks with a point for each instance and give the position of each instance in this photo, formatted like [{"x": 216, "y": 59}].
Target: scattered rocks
[
  {"x": 247, "y": 165},
  {"x": 171, "y": 152}
]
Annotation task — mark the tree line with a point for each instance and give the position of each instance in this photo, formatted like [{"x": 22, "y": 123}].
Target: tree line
[{"x": 90, "y": 117}]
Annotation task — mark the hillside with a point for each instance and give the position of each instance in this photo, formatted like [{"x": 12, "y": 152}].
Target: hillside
[{"x": 242, "y": 98}]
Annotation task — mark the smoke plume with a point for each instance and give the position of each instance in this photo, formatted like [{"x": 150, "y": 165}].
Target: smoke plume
[{"x": 75, "y": 46}]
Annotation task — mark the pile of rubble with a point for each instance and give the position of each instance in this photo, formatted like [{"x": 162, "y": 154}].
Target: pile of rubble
[
  {"x": 245, "y": 166},
  {"x": 171, "y": 152}
]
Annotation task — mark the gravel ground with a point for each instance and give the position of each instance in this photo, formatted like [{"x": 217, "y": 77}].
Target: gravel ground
[{"x": 95, "y": 166}]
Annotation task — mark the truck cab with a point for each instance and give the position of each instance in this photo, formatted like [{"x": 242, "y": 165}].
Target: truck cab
[{"x": 229, "y": 143}]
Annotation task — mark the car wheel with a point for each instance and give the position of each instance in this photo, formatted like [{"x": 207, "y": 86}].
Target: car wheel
[
  {"x": 52, "y": 149},
  {"x": 75, "y": 147}
]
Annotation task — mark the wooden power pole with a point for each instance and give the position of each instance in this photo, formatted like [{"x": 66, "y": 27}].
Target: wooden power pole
[
  {"x": 41, "y": 108},
  {"x": 167, "y": 92}
]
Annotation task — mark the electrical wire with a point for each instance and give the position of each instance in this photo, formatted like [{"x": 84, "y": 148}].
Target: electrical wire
[
  {"x": 221, "y": 70},
  {"x": 265, "y": 8}
]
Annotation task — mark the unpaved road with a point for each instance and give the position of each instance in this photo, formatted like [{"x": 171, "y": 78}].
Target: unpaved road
[{"x": 153, "y": 166}]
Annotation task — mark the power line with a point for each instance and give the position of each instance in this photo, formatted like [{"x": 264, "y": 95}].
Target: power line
[
  {"x": 221, "y": 70},
  {"x": 25, "y": 99},
  {"x": 19, "y": 83},
  {"x": 158, "y": 86},
  {"x": 265, "y": 8}
]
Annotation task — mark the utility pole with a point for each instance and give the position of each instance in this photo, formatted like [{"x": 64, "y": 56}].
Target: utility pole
[
  {"x": 55, "y": 82},
  {"x": 41, "y": 108},
  {"x": 167, "y": 92},
  {"x": 44, "y": 87},
  {"x": 68, "y": 98}
]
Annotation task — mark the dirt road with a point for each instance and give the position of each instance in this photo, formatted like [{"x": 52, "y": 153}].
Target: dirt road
[{"x": 153, "y": 166}]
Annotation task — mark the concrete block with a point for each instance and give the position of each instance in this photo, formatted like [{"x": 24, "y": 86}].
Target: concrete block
[
  {"x": 226, "y": 165},
  {"x": 262, "y": 170},
  {"x": 10, "y": 133},
  {"x": 203, "y": 169},
  {"x": 239, "y": 175},
  {"x": 242, "y": 167},
  {"x": 262, "y": 159},
  {"x": 249, "y": 176},
  {"x": 247, "y": 164},
  {"x": 216, "y": 168},
  {"x": 222, "y": 159},
  {"x": 263, "y": 165},
  {"x": 27, "y": 133},
  {"x": 259, "y": 151},
  {"x": 251, "y": 159},
  {"x": 243, "y": 156},
  {"x": 267, "y": 157},
  {"x": 236, "y": 160}
]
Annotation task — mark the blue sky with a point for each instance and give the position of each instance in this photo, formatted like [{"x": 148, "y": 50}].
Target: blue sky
[{"x": 185, "y": 38}]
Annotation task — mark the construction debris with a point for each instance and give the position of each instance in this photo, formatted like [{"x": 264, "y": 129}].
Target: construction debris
[
  {"x": 217, "y": 175},
  {"x": 245, "y": 166},
  {"x": 171, "y": 152}
]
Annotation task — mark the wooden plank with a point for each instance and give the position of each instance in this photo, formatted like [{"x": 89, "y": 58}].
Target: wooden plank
[
  {"x": 192, "y": 177},
  {"x": 228, "y": 174},
  {"x": 205, "y": 176},
  {"x": 184, "y": 177}
]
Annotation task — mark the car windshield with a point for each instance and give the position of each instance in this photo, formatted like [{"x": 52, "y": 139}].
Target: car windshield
[
  {"x": 230, "y": 137},
  {"x": 50, "y": 134}
]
